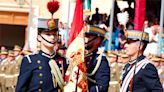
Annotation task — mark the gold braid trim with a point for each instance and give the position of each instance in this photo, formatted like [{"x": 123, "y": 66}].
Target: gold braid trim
[
  {"x": 56, "y": 73},
  {"x": 97, "y": 64}
]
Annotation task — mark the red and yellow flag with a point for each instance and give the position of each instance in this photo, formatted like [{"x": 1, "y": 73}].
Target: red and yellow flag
[
  {"x": 76, "y": 73},
  {"x": 77, "y": 23}
]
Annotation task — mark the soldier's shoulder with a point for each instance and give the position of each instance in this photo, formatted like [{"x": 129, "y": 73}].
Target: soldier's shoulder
[
  {"x": 30, "y": 57},
  {"x": 149, "y": 66}
]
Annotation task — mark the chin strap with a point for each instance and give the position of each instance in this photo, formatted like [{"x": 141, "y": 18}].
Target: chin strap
[{"x": 46, "y": 39}]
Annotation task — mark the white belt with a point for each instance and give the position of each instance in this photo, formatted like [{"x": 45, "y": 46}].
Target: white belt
[
  {"x": 1, "y": 75},
  {"x": 9, "y": 76},
  {"x": 15, "y": 75},
  {"x": 113, "y": 82}
]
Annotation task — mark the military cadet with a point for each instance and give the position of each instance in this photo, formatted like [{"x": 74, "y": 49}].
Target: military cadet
[
  {"x": 114, "y": 75},
  {"x": 112, "y": 58},
  {"x": 17, "y": 50},
  {"x": 155, "y": 60},
  {"x": 43, "y": 71},
  {"x": 139, "y": 74},
  {"x": 123, "y": 57},
  {"x": 4, "y": 54},
  {"x": 9, "y": 75},
  {"x": 98, "y": 70},
  {"x": 16, "y": 66},
  {"x": 122, "y": 60},
  {"x": 18, "y": 54}
]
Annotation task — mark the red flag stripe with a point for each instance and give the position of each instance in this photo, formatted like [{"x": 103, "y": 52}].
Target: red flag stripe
[
  {"x": 139, "y": 14},
  {"x": 77, "y": 23}
]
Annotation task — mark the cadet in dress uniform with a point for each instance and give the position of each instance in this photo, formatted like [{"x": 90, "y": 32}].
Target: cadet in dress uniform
[
  {"x": 16, "y": 66},
  {"x": 114, "y": 75},
  {"x": 3, "y": 54},
  {"x": 18, "y": 55},
  {"x": 146, "y": 77},
  {"x": 157, "y": 61},
  {"x": 98, "y": 70},
  {"x": 9, "y": 74},
  {"x": 43, "y": 71},
  {"x": 17, "y": 52}
]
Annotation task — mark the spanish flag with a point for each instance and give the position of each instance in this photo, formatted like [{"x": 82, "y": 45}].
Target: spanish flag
[{"x": 76, "y": 73}]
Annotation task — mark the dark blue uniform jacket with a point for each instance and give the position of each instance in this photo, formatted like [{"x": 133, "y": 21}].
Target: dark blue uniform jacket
[
  {"x": 35, "y": 76},
  {"x": 102, "y": 75},
  {"x": 146, "y": 80}
]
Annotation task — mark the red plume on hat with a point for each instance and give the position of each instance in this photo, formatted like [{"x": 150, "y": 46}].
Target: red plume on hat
[{"x": 52, "y": 6}]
